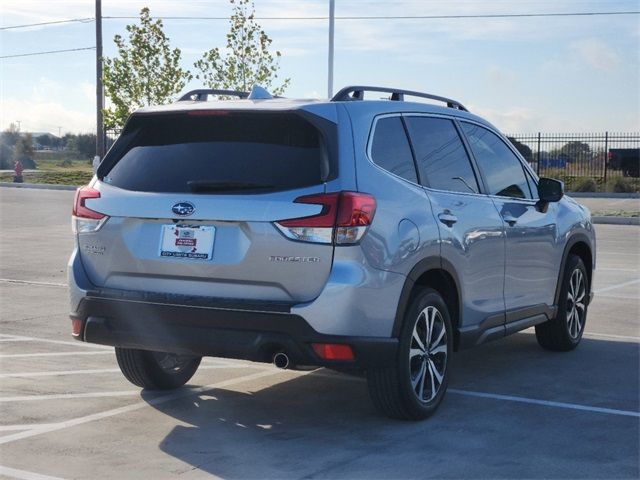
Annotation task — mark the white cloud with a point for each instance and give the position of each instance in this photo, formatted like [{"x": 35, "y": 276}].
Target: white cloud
[
  {"x": 44, "y": 116},
  {"x": 597, "y": 54},
  {"x": 514, "y": 119}
]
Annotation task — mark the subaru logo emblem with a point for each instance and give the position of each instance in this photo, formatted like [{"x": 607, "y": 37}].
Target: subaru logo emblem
[{"x": 184, "y": 209}]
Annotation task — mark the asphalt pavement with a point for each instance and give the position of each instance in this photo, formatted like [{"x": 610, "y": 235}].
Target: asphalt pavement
[{"x": 513, "y": 410}]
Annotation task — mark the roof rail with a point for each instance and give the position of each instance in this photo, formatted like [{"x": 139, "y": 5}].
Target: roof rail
[
  {"x": 357, "y": 93},
  {"x": 201, "y": 94}
]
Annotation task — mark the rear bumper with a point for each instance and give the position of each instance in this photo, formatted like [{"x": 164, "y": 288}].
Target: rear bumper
[{"x": 206, "y": 327}]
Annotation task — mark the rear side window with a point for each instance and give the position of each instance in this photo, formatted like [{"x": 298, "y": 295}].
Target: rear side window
[
  {"x": 390, "y": 148},
  {"x": 501, "y": 168},
  {"x": 442, "y": 159},
  {"x": 218, "y": 152}
]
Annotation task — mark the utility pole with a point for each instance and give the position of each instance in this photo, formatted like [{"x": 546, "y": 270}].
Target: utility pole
[
  {"x": 18, "y": 122},
  {"x": 332, "y": 21},
  {"x": 99, "y": 88}
]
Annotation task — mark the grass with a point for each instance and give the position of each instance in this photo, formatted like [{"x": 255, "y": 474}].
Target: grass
[{"x": 56, "y": 171}]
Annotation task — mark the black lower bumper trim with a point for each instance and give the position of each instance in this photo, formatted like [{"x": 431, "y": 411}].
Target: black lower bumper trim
[{"x": 231, "y": 333}]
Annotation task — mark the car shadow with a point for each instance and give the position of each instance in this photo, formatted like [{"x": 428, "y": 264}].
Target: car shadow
[{"x": 323, "y": 424}]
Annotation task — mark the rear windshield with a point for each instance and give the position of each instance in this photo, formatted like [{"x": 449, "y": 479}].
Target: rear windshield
[{"x": 218, "y": 152}]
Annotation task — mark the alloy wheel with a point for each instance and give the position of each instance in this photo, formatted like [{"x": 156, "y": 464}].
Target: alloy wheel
[
  {"x": 428, "y": 354},
  {"x": 576, "y": 307}
]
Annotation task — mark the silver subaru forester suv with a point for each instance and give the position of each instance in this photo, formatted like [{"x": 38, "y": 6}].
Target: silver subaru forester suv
[{"x": 375, "y": 236}]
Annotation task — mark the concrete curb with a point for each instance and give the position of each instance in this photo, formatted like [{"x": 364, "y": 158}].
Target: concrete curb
[
  {"x": 41, "y": 186},
  {"x": 602, "y": 195},
  {"x": 616, "y": 220}
]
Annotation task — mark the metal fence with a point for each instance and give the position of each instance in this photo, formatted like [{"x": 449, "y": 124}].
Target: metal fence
[{"x": 584, "y": 161}]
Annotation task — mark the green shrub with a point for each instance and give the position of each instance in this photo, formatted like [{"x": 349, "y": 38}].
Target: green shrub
[
  {"x": 586, "y": 185},
  {"x": 624, "y": 185}
]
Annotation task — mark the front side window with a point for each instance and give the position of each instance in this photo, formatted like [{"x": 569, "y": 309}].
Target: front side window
[
  {"x": 502, "y": 170},
  {"x": 442, "y": 160},
  {"x": 390, "y": 148}
]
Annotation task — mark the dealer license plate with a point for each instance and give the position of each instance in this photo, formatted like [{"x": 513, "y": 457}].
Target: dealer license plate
[{"x": 187, "y": 241}]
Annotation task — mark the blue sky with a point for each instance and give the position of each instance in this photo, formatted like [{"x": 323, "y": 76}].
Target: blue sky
[{"x": 569, "y": 74}]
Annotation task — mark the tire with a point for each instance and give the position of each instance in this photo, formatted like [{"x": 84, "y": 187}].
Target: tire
[
  {"x": 156, "y": 370},
  {"x": 410, "y": 390},
  {"x": 564, "y": 332}
]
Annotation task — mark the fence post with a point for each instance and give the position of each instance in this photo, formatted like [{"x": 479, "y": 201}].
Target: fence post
[
  {"x": 538, "y": 163},
  {"x": 606, "y": 157}
]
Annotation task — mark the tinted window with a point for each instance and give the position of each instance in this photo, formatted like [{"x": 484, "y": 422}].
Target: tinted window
[
  {"x": 231, "y": 152},
  {"x": 502, "y": 169},
  {"x": 442, "y": 159},
  {"x": 390, "y": 148}
]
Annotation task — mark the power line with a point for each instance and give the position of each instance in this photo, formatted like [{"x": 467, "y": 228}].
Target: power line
[
  {"x": 358, "y": 17},
  {"x": 399, "y": 17},
  {"x": 47, "y": 52},
  {"x": 26, "y": 25}
]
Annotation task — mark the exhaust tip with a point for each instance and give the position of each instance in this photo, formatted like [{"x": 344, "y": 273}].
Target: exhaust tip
[{"x": 281, "y": 360}]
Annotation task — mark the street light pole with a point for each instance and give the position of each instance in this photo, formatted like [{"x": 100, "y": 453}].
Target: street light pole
[
  {"x": 99, "y": 88},
  {"x": 332, "y": 20}
]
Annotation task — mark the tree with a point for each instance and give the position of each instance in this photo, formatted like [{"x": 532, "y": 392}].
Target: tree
[
  {"x": 23, "y": 151},
  {"x": 575, "y": 151},
  {"x": 6, "y": 156},
  {"x": 44, "y": 140},
  {"x": 83, "y": 145},
  {"x": 247, "y": 60},
  {"x": 524, "y": 150},
  {"x": 146, "y": 71},
  {"x": 11, "y": 135}
]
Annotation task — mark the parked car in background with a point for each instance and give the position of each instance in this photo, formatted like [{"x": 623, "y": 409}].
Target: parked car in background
[{"x": 625, "y": 159}]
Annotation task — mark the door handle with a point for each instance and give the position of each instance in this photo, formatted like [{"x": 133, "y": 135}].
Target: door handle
[
  {"x": 510, "y": 220},
  {"x": 447, "y": 218}
]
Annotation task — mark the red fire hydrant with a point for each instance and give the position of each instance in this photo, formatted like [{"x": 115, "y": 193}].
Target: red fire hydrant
[{"x": 17, "y": 169}]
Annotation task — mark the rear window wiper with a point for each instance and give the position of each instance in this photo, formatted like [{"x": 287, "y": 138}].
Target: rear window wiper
[{"x": 197, "y": 186}]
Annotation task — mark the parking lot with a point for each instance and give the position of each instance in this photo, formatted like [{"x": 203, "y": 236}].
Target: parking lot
[{"x": 513, "y": 410}]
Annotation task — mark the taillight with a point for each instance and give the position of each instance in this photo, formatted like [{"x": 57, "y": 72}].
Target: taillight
[
  {"x": 84, "y": 219},
  {"x": 343, "y": 220}
]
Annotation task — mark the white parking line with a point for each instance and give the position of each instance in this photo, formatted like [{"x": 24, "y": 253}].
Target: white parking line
[
  {"x": 136, "y": 406},
  {"x": 619, "y": 285},
  {"x": 68, "y": 396},
  {"x": 54, "y": 354},
  {"x": 56, "y": 373},
  {"x": 630, "y": 270},
  {"x": 607, "y": 335},
  {"x": 75, "y": 343},
  {"x": 546, "y": 403},
  {"x": 26, "y": 426},
  {"x": 24, "y": 475},
  {"x": 28, "y": 282}
]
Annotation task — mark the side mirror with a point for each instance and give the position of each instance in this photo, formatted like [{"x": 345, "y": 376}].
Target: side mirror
[
  {"x": 96, "y": 163},
  {"x": 550, "y": 190}
]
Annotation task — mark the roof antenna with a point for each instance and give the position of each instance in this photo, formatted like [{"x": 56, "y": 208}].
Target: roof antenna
[{"x": 259, "y": 93}]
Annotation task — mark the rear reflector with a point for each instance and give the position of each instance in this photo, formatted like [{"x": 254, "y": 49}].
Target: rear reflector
[
  {"x": 333, "y": 351},
  {"x": 76, "y": 327},
  {"x": 344, "y": 218}
]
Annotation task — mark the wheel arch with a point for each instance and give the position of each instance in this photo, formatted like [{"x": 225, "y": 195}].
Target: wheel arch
[
  {"x": 436, "y": 273},
  {"x": 578, "y": 244}
]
